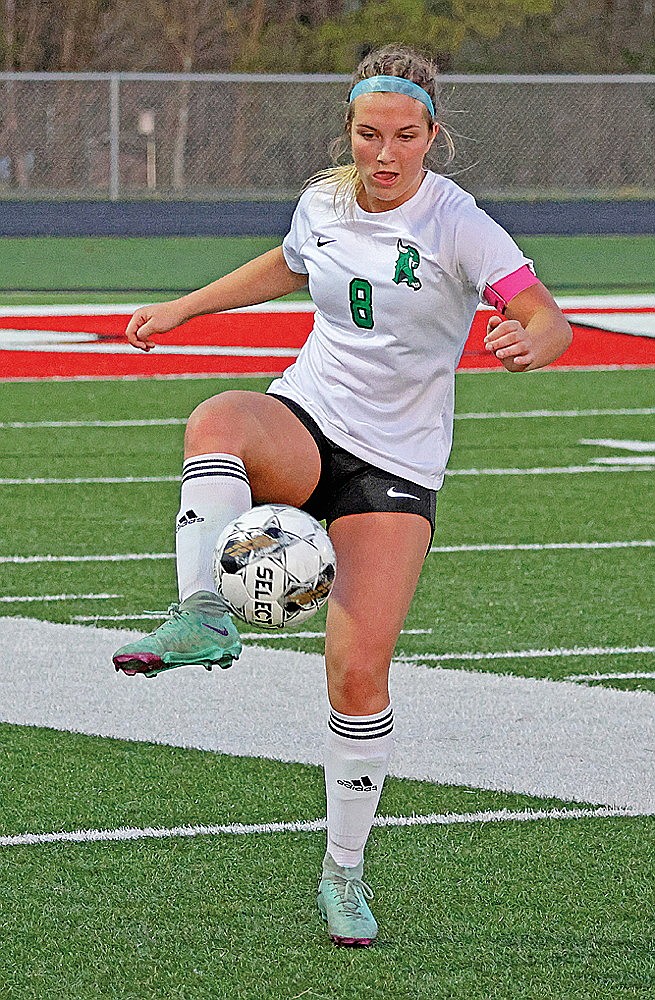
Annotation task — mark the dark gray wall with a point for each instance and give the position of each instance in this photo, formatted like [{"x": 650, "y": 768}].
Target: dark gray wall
[{"x": 271, "y": 218}]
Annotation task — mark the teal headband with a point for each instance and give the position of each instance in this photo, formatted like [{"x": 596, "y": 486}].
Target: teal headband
[{"x": 395, "y": 85}]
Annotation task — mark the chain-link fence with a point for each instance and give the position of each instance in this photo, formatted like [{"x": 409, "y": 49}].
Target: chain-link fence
[{"x": 233, "y": 136}]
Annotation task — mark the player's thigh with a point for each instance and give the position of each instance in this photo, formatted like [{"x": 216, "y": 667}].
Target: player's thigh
[
  {"x": 379, "y": 560},
  {"x": 280, "y": 455}
]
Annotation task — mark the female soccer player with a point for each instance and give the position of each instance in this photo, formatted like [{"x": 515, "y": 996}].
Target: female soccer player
[{"x": 358, "y": 430}]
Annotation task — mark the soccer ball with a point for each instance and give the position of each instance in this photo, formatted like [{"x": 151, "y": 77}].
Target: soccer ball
[{"x": 274, "y": 566}]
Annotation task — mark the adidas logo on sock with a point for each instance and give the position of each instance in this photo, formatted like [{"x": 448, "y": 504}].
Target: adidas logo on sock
[
  {"x": 189, "y": 517},
  {"x": 363, "y": 784}
]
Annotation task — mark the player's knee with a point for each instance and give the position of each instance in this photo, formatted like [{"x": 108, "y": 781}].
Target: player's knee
[
  {"x": 216, "y": 425},
  {"x": 356, "y": 688}
]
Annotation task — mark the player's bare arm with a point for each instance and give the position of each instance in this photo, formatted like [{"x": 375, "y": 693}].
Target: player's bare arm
[
  {"x": 534, "y": 332},
  {"x": 266, "y": 277}
]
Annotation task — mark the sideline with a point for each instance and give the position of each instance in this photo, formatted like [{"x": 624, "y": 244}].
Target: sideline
[
  {"x": 644, "y": 411},
  {"x": 524, "y": 654},
  {"x": 646, "y": 543},
  {"x": 25, "y": 599},
  {"x": 562, "y": 470},
  {"x": 309, "y": 826},
  {"x": 610, "y": 301}
]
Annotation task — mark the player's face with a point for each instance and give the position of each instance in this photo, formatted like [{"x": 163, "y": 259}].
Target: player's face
[{"x": 390, "y": 135}]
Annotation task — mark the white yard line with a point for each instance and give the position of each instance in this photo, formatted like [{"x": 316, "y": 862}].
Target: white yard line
[
  {"x": 643, "y": 411},
  {"x": 521, "y": 654},
  {"x": 308, "y": 826},
  {"x": 525, "y": 654},
  {"x": 562, "y": 470},
  {"x": 628, "y": 461},
  {"x": 176, "y": 350},
  {"x": 37, "y": 598},
  {"x": 569, "y": 470},
  {"x": 272, "y": 373},
  {"x": 646, "y": 543},
  {"x": 176, "y": 421},
  {"x": 253, "y": 636},
  {"x": 620, "y": 443},
  {"x": 88, "y": 480},
  {"x": 543, "y": 546},
  {"x": 631, "y": 324},
  {"x": 571, "y": 369},
  {"x": 185, "y": 376},
  {"x": 636, "y": 301},
  {"x": 144, "y": 616},
  {"x": 290, "y": 634},
  {"x": 127, "y": 308},
  {"x": 120, "y": 557},
  {"x": 38, "y": 424},
  {"x": 631, "y": 675},
  {"x": 633, "y": 301}
]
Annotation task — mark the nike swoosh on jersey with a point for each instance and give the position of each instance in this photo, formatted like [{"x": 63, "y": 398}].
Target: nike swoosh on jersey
[
  {"x": 322, "y": 243},
  {"x": 392, "y": 492}
]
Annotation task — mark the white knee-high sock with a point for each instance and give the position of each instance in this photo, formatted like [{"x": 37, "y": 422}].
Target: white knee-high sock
[
  {"x": 215, "y": 490},
  {"x": 357, "y": 755}
]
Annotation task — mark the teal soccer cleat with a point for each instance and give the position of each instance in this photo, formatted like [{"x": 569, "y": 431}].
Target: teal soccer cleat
[
  {"x": 197, "y": 631},
  {"x": 342, "y": 902}
]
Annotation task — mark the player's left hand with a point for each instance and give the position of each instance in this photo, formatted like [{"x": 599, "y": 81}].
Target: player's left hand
[{"x": 509, "y": 341}]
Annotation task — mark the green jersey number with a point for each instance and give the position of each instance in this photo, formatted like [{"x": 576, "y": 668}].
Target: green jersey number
[{"x": 361, "y": 303}]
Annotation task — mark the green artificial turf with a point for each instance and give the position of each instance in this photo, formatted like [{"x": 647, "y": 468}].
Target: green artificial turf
[
  {"x": 107, "y": 268},
  {"x": 540, "y": 910},
  {"x": 471, "y": 601},
  {"x": 550, "y": 909}
]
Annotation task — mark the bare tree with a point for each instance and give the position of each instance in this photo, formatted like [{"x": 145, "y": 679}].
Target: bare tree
[
  {"x": 182, "y": 25},
  {"x": 21, "y": 33},
  {"x": 197, "y": 36}
]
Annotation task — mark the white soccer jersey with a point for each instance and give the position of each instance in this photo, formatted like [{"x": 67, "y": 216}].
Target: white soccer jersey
[{"x": 395, "y": 294}]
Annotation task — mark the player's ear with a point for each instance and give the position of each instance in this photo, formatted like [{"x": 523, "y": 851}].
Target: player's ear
[{"x": 434, "y": 131}]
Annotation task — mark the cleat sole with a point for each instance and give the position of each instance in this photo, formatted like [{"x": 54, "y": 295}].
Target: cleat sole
[
  {"x": 139, "y": 663},
  {"x": 352, "y": 942},
  {"x": 151, "y": 665}
]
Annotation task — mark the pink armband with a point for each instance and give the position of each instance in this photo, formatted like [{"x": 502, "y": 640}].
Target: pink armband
[{"x": 499, "y": 294}]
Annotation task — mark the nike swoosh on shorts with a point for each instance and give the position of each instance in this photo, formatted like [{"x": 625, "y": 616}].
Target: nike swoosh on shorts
[{"x": 392, "y": 492}]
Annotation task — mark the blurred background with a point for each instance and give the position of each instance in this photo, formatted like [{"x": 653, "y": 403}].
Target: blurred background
[{"x": 194, "y": 99}]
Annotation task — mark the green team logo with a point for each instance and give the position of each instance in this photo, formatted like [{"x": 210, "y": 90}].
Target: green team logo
[{"x": 408, "y": 260}]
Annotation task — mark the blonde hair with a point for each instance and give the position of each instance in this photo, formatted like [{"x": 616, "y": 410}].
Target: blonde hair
[{"x": 390, "y": 60}]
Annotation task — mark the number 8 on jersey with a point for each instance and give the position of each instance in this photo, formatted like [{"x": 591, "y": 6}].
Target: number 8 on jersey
[{"x": 361, "y": 303}]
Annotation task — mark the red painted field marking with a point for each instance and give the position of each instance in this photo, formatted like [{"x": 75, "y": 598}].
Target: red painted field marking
[{"x": 21, "y": 358}]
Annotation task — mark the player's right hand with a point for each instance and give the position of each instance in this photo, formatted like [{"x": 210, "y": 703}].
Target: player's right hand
[{"x": 147, "y": 320}]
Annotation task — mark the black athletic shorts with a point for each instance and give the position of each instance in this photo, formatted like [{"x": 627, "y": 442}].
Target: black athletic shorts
[{"x": 349, "y": 485}]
